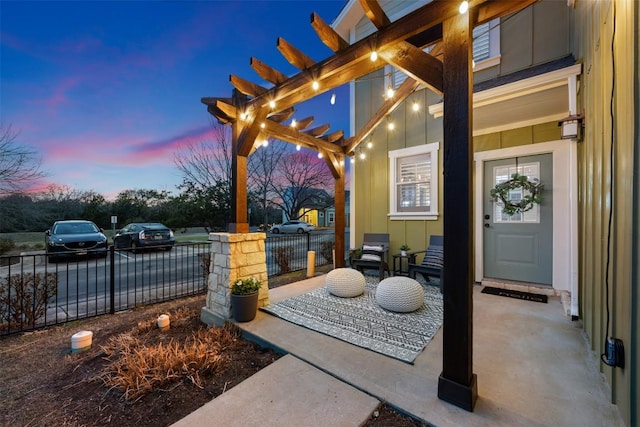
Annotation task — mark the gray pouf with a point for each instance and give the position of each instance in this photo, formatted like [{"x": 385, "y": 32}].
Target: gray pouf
[
  {"x": 345, "y": 282},
  {"x": 400, "y": 294}
]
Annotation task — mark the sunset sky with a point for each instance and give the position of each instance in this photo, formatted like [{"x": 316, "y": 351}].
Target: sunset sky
[{"x": 107, "y": 91}]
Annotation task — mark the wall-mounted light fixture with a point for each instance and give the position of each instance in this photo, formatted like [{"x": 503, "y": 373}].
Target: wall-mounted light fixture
[{"x": 571, "y": 127}]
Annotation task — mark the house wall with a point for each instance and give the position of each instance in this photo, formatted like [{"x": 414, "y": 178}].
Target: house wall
[
  {"x": 371, "y": 181},
  {"x": 607, "y": 44}
]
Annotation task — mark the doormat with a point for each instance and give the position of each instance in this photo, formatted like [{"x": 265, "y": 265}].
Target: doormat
[{"x": 515, "y": 294}]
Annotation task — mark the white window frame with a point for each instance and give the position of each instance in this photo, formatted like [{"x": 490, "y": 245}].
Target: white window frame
[{"x": 394, "y": 155}]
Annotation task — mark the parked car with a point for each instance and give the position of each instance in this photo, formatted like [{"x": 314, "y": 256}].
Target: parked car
[
  {"x": 71, "y": 238},
  {"x": 139, "y": 235},
  {"x": 293, "y": 226}
]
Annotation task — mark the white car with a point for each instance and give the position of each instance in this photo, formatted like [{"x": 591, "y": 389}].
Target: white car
[{"x": 292, "y": 227}]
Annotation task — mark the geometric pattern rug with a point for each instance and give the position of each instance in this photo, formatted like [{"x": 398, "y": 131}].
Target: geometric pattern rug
[{"x": 362, "y": 322}]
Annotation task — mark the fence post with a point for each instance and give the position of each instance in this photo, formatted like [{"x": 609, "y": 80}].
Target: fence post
[
  {"x": 308, "y": 242},
  {"x": 112, "y": 278}
]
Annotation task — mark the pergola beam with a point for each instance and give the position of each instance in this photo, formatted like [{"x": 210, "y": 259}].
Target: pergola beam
[
  {"x": 405, "y": 89},
  {"x": 294, "y": 55},
  {"x": 291, "y": 135},
  {"x": 266, "y": 72},
  {"x": 328, "y": 35}
]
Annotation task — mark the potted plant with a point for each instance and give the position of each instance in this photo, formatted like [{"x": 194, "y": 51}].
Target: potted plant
[
  {"x": 244, "y": 299},
  {"x": 404, "y": 249}
]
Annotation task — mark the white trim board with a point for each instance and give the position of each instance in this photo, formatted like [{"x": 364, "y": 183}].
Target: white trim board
[{"x": 565, "y": 210}]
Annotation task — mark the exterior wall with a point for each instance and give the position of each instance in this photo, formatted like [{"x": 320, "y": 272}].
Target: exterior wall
[
  {"x": 372, "y": 174},
  {"x": 606, "y": 182}
]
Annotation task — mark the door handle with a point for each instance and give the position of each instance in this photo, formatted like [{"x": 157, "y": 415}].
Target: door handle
[{"x": 486, "y": 225}]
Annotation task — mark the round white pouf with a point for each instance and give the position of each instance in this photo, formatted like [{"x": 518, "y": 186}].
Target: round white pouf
[
  {"x": 345, "y": 282},
  {"x": 400, "y": 294}
]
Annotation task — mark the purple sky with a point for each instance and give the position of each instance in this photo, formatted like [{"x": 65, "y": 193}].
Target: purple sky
[{"x": 107, "y": 91}]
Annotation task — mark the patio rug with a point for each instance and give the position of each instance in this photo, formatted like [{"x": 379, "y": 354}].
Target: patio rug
[
  {"x": 514, "y": 294},
  {"x": 362, "y": 322}
]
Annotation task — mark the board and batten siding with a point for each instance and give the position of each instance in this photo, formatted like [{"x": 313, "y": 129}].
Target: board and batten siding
[{"x": 594, "y": 44}]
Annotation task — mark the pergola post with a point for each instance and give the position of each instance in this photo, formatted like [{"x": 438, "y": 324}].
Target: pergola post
[
  {"x": 457, "y": 382},
  {"x": 239, "y": 222},
  {"x": 339, "y": 204}
]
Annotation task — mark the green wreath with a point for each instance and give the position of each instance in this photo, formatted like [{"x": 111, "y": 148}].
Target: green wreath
[{"x": 500, "y": 194}]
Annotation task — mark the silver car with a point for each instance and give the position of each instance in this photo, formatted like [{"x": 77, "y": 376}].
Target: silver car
[{"x": 293, "y": 226}]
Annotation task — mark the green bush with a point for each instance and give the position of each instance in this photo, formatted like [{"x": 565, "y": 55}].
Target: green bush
[
  {"x": 246, "y": 286},
  {"x": 282, "y": 256},
  {"x": 326, "y": 250},
  {"x": 24, "y": 297},
  {"x": 6, "y": 245}
]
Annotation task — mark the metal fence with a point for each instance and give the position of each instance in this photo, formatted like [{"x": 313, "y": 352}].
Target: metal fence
[{"x": 35, "y": 293}]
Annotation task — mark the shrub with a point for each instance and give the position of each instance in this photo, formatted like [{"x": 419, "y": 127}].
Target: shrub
[
  {"x": 6, "y": 245},
  {"x": 326, "y": 250},
  {"x": 282, "y": 256},
  {"x": 246, "y": 286},
  {"x": 24, "y": 297}
]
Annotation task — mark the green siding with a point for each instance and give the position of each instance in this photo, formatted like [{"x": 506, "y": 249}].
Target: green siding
[{"x": 594, "y": 29}]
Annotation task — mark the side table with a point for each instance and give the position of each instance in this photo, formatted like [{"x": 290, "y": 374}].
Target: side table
[{"x": 400, "y": 267}]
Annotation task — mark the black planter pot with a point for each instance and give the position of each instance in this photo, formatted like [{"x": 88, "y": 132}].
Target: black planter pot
[{"x": 244, "y": 307}]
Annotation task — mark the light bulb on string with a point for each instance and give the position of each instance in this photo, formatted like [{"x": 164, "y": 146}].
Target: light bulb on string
[
  {"x": 374, "y": 56},
  {"x": 415, "y": 106},
  {"x": 333, "y": 98},
  {"x": 352, "y": 160},
  {"x": 298, "y": 147},
  {"x": 320, "y": 155},
  {"x": 362, "y": 155},
  {"x": 315, "y": 85},
  {"x": 293, "y": 123},
  {"x": 464, "y": 7},
  {"x": 265, "y": 143}
]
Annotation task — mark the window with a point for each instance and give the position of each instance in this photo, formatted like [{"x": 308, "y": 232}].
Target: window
[
  {"x": 414, "y": 182},
  {"x": 331, "y": 217},
  {"x": 502, "y": 174}
]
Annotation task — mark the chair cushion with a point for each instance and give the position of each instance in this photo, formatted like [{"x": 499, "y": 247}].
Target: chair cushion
[
  {"x": 372, "y": 253},
  {"x": 434, "y": 257},
  {"x": 345, "y": 282}
]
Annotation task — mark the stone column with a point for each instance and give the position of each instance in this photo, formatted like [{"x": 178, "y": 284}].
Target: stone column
[{"x": 233, "y": 256}]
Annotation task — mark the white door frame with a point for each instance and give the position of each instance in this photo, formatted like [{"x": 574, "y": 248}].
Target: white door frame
[{"x": 565, "y": 210}]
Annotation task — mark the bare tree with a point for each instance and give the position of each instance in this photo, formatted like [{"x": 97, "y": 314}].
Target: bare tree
[
  {"x": 206, "y": 182},
  {"x": 263, "y": 166},
  {"x": 301, "y": 184},
  {"x": 19, "y": 165}
]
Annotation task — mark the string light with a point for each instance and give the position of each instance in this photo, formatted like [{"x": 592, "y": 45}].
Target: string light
[
  {"x": 319, "y": 155},
  {"x": 464, "y": 6},
  {"x": 265, "y": 143},
  {"x": 374, "y": 56},
  {"x": 272, "y": 104},
  {"x": 390, "y": 92},
  {"x": 352, "y": 160},
  {"x": 369, "y": 144},
  {"x": 298, "y": 147},
  {"x": 293, "y": 123},
  {"x": 362, "y": 155},
  {"x": 415, "y": 106},
  {"x": 333, "y": 98},
  {"x": 243, "y": 116},
  {"x": 341, "y": 162},
  {"x": 315, "y": 85},
  {"x": 391, "y": 126},
  {"x": 263, "y": 125}
]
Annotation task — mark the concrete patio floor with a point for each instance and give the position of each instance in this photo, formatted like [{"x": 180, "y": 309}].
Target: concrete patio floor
[{"x": 533, "y": 364}]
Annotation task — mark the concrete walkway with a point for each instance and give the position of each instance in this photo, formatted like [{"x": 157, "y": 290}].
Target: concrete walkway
[{"x": 533, "y": 364}]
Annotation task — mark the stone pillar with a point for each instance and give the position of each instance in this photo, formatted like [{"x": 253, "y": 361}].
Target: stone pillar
[{"x": 233, "y": 256}]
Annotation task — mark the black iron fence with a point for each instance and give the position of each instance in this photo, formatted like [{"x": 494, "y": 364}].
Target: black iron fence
[{"x": 35, "y": 293}]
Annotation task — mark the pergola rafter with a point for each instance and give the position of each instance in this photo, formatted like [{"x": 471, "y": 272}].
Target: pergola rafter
[{"x": 258, "y": 111}]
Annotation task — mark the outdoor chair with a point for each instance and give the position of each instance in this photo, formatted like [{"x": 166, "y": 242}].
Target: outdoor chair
[
  {"x": 432, "y": 261},
  {"x": 374, "y": 254}
]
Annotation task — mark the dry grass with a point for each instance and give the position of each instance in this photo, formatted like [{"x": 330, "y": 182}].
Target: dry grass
[{"x": 139, "y": 366}]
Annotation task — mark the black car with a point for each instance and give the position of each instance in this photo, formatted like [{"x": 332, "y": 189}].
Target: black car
[
  {"x": 141, "y": 235},
  {"x": 73, "y": 238}
]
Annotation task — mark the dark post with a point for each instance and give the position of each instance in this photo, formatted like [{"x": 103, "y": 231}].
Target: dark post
[
  {"x": 457, "y": 382},
  {"x": 112, "y": 279}
]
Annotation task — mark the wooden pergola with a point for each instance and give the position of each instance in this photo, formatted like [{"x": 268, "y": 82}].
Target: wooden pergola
[{"x": 256, "y": 112}]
